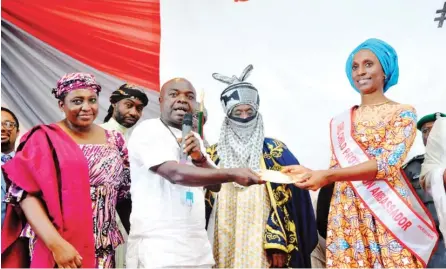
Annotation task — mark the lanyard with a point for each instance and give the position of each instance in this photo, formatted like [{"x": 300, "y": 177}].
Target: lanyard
[
  {"x": 174, "y": 136},
  {"x": 189, "y": 195}
]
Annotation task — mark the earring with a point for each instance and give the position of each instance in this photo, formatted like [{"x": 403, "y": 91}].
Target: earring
[{"x": 385, "y": 77}]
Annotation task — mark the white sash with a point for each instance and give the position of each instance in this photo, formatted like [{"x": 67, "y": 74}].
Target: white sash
[{"x": 409, "y": 222}]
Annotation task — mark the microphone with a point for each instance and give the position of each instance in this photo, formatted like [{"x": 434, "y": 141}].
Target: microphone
[{"x": 186, "y": 129}]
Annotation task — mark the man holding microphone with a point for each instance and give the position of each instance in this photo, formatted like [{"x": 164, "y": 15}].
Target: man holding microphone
[{"x": 168, "y": 172}]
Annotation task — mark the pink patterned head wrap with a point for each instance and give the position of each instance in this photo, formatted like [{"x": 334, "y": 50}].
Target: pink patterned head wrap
[{"x": 75, "y": 81}]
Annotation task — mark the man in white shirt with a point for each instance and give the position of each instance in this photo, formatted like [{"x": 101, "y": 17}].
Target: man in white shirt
[
  {"x": 168, "y": 210},
  {"x": 433, "y": 171}
]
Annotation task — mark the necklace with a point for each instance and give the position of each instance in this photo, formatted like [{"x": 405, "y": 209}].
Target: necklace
[
  {"x": 174, "y": 136},
  {"x": 188, "y": 198}
]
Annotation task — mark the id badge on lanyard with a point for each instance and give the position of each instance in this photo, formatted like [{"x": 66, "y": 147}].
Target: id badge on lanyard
[{"x": 187, "y": 198}]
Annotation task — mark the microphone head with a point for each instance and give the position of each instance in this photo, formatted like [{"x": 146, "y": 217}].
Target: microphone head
[{"x": 187, "y": 120}]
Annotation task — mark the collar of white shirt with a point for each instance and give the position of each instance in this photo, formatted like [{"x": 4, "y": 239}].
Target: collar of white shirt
[{"x": 112, "y": 124}]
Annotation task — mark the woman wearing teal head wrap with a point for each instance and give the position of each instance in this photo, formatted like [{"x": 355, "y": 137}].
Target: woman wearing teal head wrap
[
  {"x": 386, "y": 56},
  {"x": 370, "y": 142}
]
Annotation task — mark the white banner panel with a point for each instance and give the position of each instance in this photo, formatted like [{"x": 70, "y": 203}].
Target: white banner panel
[{"x": 299, "y": 50}]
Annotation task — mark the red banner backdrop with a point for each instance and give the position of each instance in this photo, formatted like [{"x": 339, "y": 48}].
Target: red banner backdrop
[{"x": 121, "y": 38}]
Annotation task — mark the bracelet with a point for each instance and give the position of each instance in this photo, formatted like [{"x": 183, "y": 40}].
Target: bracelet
[{"x": 201, "y": 161}]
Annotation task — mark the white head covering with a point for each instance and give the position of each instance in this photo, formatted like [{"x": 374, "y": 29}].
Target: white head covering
[
  {"x": 241, "y": 142},
  {"x": 433, "y": 168},
  {"x": 238, "y": 92}
]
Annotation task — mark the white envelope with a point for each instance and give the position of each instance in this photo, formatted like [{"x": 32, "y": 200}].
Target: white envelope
[{"x": 276, "y": 177}]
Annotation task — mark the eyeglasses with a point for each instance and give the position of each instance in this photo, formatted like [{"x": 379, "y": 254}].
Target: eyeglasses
[{"x": 9, "y": 125}]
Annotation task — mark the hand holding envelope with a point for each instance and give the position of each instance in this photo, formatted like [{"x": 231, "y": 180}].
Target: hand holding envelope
[
  {"x": 298, "y": 175},
  {"x": 276, "y": 177},
  {"x": 289, "y": 175},
  {"x": 305, "y": 178}
]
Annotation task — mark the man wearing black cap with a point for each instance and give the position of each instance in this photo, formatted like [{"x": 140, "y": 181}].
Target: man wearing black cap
[
  {"x": 412, "y": 169},
  {"x": 125, "y": 110}
]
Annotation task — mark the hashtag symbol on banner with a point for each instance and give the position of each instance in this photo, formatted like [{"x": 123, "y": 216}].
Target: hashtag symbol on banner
[{"x": 442, "y": 17}]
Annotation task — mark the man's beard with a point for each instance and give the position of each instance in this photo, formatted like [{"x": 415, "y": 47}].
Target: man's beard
[
  {"x": 6, "y": 146},
  {"x": 121, "y": 120}
]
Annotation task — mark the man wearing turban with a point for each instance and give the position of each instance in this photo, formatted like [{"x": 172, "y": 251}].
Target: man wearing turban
[
  {"x": 127, "y": 104},
  {"x": 258, "y": 226}
]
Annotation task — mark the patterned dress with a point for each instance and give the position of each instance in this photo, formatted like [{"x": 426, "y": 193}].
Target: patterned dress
[
  {"x": 109, "y": 182},
  {"x": 355, "y": 239}
]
